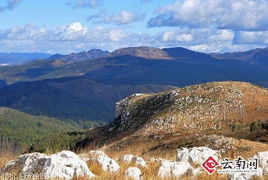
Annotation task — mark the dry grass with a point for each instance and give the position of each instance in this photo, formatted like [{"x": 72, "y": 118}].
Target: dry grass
[
  {"x": 5, "y": 158},
  {"x": 148, "y": 173}
]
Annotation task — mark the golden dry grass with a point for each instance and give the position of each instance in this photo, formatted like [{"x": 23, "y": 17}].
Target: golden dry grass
[
  {"x": 148, "y": 173},
  {"x": 5, "y": 158}
]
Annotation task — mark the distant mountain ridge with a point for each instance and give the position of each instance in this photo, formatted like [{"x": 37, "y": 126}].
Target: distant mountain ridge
[
  {"x": 17, "y": 58},
  {"x": 142, "y": 52},
  {"x": 132, "y": 66},
  {"x": 81, "y": 56},
  {"x": 254, "y": 56}
]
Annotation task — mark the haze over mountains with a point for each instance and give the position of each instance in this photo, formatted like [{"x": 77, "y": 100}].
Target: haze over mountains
[{"x": 17, "y": 58}]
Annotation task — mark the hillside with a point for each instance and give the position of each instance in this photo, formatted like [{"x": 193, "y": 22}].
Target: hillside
[
  {"x": 74, "y": 98},
  {"x": 20, "y": 130},
  {"x": 185, "y": 117}
]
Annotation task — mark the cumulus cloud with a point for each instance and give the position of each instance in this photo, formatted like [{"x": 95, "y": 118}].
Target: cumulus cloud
[
  {"x": 67, "y": 38},
  {"x": 231, "y": 14},
  {"x": 173, "y": 36},
  {"x": 76, "y": 37},
  {"x": 205, "y": 39},
  {"x": 9, "y": 5},
  {"x": 121, "y": 18}
]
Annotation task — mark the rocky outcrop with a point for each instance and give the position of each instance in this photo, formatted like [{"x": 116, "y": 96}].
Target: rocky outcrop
[
  {"x": 64, "y": 165},
  {"x": 121, "y": 106},
  {"x": 196, "y": 155},
  {"x": 107, "y": 164},
  {"x": 217, "y": 107},
  {"x": 263, "y": 161},
  {"x": 174, "y": 169},
  {"x": 240, "y": 176},
  {"x": 129, "y": 158},
  {"x": 134, "y": 173}
]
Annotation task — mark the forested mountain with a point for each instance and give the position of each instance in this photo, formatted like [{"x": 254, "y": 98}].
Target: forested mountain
[
  {"x": 77, "y": 98},
  {"x": 19, "y": 130}
]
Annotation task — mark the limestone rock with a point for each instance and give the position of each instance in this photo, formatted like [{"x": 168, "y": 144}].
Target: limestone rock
[
  {"x": 263, "y": 161},
  {"x": 134, "y": 173},
  {"x": 240, "y": 176},
  {"x": 63, "y": 165},
  {"x": 196, "y": 155},
  {"x": 174, "y": 169},
  {"x": 128, "y": 158},
  {"x": 106, "y": 162}
]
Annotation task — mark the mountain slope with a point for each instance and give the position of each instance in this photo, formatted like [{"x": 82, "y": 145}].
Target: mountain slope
[
  {"x": 78, "y": 99},
  {"x": 19, "y": 130},
  {"x": 133, "y": 70},
  {"x": 183, "y": 54},
  {"x": 182, "y": 116},
  {"x": 142, "y": 52},
  {"x": 254, "y": 56}
]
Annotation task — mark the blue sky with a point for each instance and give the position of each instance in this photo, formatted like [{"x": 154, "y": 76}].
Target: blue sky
[{"x": 65, "y": 26}]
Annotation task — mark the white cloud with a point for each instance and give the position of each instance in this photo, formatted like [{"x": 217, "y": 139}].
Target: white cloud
[
  {"x": 76, "y": 37},
  {"x": 121, "y": 18},
  {"x": 251, "y": 37},
  {"x": 67, "y": 38},
  {"x": 223, "y": 35},
  {"x": 117, "y": 35},
  {"x": 173, "y": 36},
  {"x": 124, "y": 17},
  {"x": 231, "y": 14}
]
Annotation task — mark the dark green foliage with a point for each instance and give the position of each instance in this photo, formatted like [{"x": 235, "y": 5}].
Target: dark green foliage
[
  {"x": 77, "y": 99},
  {"x": 19, "y": 130},
  {"x": 253, "y": 126},
  {"x": 57, "y": 142}
]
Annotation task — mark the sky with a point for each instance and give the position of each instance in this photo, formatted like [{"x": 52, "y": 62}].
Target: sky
[{"x": 66, "y": 26}]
